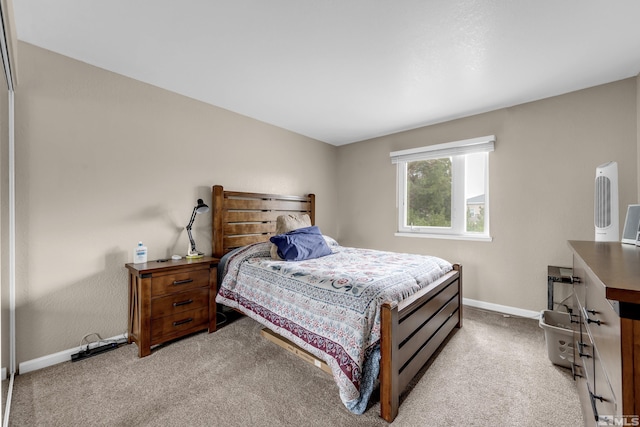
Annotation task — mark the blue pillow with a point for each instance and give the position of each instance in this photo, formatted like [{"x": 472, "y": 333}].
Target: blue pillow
[{"x": 303, "y": 243}]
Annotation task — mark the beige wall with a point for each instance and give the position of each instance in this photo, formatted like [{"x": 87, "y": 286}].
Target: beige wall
[
  {"x": 638, "y": 129},
  {"x": 104, "y": 161},
  {"x": 541, "y": 188}
]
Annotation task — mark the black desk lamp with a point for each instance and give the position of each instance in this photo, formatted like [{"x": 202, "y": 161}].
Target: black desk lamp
[{"x": 192, "y": 252}]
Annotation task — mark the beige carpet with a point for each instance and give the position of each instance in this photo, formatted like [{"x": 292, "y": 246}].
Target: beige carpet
[{"x": 493, "y": 372}]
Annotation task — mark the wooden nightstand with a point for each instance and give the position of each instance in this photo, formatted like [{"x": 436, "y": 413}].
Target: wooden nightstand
[{"x": 170, "y": 299}]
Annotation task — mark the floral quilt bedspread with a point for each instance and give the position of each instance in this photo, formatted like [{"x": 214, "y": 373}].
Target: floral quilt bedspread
[{"x": 330, "y": 306}]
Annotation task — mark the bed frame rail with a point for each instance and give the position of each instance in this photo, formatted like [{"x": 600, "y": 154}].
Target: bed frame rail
[
  {"x": 241, "y": 219},
  {"x": 412, "y": 331}
]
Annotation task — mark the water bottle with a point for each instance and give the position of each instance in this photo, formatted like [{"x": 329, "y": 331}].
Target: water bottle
[{"x": 140, "y": 254}]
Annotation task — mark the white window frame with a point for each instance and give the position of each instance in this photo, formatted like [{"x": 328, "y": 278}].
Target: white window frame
[{"x": 456, "y": 151}]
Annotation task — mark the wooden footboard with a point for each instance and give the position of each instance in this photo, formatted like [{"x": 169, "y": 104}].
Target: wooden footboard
[{"x": 412, "y": 331}]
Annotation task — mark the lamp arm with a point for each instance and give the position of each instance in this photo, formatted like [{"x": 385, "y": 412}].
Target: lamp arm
[
  {"x": 193, "y": 243},
  {"x": 193, "y": 217}
]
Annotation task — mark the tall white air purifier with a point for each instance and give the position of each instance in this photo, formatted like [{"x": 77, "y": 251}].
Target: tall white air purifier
[{"x": 606, "y": 203}]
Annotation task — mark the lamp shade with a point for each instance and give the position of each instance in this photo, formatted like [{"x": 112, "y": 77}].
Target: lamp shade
[{"x": 201, "y": 207}]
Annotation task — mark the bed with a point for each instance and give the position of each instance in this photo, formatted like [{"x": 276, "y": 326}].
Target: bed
[{"x": 403, "y": 328}]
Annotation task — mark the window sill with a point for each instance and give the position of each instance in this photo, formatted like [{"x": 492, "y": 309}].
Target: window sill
[{"x": 479, "y": 238}]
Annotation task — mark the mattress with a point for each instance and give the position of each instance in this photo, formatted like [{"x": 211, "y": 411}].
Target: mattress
[{"x": 329, "y": 306}]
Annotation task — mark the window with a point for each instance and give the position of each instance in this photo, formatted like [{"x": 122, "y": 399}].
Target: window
[{"x": 443, "y": 190}]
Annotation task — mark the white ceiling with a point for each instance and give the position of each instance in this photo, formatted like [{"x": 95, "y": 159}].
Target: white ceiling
[{"x": 343, "y": 71}]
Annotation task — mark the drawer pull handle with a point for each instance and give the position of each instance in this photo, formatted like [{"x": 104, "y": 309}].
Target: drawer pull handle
[
  {"x": 593, "y": 398},
  {"x": 182, "y": 282},
  {"x": 182, "y": 322},
  {"x": 178, "y": 304},
  {"x": 581, "y": 346},
  {"x": 589, "y": 320},
  {"x": 574, "y": 371},
  {"x": 575, "y": 279}
]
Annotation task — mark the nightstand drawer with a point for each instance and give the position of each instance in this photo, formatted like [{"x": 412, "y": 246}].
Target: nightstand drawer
[
  {"x": 179, "y": 282},
  {"x": 179, "y": 324},
  {"x": 179, "y": 302}
]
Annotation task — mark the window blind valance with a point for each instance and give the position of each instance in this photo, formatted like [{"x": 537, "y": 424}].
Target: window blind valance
[{"x": 466, "y": 146}]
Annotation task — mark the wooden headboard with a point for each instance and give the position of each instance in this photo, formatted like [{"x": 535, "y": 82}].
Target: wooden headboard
[{"x": 240, "y": 218}]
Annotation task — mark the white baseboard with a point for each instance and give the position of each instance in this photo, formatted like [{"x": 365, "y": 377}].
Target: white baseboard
[
  {"x": 513, "y": 311},
  {"x": 61, "y": 356},
  {"x": 4, "y": 374}
]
